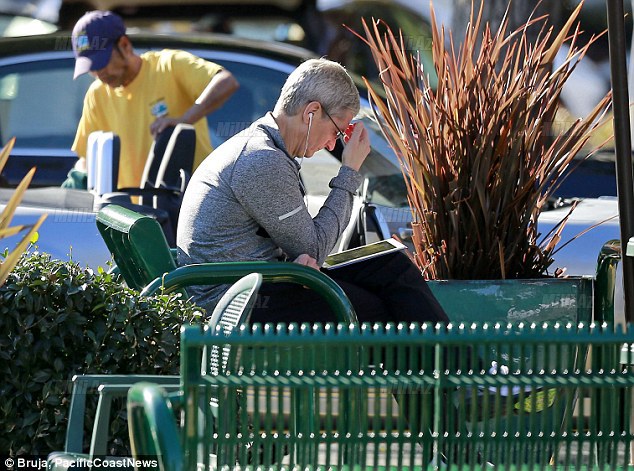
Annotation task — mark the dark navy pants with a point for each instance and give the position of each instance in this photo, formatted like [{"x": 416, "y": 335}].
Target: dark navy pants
[{"x": 389, "y": 288}]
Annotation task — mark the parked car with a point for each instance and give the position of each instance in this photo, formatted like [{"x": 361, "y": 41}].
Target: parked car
[{"x": 40, "y": 104}]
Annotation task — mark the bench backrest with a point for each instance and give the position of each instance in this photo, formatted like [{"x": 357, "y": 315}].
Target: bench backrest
[
  {"x": 232, "y": 311},
  {"x": 137, "y": 244},
  {"x": 523, "y": 417}
]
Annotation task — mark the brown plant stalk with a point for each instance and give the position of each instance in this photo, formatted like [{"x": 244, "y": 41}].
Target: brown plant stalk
[
  {"x": 6, "y": 215},
  {"x": 479, "y": 154}
]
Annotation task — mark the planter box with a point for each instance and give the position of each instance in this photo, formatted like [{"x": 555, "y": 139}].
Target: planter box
[
  {"x": 537, "y": 300},
  {"x": 565, "y": 300}
]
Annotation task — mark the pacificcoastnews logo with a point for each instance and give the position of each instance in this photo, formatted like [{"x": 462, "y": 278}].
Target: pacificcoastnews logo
[{"x": 34, "y": 463}]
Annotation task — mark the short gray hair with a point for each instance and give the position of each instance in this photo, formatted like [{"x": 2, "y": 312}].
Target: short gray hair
[{"x": 319, "y": 80}]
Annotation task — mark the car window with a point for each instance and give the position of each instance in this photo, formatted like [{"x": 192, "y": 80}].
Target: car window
[
  {"x": 33, "y": 94},
  {"x": 40, "y": 103},
  {"x": 258, "y": 92}
]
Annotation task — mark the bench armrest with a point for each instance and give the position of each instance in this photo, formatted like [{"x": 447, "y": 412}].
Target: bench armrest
[
  {"x": 277, "y": 272},
  {"x": 605, "y": 281},
  {"x": 152, "y": 425}
]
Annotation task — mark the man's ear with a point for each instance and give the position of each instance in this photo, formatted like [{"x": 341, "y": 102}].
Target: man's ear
[
  {"x": 124, "y": 45},
  {"x": 310, "y": 110}
]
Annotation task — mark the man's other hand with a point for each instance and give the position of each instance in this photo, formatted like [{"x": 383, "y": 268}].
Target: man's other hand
[
  {"x": 162, "y": 123},
  {"x": 305, "y": 259}
]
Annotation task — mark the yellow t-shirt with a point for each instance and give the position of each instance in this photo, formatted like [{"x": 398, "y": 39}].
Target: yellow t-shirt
[{"x": 168, "y": 84}]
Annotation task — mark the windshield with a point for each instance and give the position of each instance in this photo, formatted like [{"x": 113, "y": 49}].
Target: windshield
[{"x": 25, "y": 87}]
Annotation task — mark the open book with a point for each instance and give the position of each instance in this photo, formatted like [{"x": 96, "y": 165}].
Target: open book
[{"x": 364, "y": 252}]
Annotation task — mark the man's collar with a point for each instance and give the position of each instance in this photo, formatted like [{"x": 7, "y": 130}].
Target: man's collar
[{"x": 270, "y": 125}]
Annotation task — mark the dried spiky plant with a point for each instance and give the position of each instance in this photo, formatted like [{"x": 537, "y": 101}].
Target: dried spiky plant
[
  {"x": 479, "y": 153},
  {"x": 6, "y": 216}
]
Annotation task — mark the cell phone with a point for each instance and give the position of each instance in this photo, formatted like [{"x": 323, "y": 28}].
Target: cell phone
[
  {"x": 364, "y": 252},
  {"x": 348, "y": 132}
]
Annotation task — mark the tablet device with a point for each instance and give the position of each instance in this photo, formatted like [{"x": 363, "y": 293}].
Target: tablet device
[{"x": 365, "y": 252}]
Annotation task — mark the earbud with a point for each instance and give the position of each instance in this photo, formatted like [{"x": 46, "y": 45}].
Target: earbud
[{"x": 310, "y": 118}]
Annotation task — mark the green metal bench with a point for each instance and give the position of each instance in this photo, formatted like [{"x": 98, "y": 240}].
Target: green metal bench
[
  {"x": 144, "y": 259},
  {"x": 540, "y": 391}
]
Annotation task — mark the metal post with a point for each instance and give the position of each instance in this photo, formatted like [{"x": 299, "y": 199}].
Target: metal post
[{"x": 622, "y": 144}]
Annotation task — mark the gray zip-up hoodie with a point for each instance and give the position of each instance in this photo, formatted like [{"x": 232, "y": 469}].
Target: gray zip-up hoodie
[{"x": 245, "y": 203}]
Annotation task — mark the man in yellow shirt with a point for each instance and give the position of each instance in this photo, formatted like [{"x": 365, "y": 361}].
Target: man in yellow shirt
[{"x": 138, "y": 96}]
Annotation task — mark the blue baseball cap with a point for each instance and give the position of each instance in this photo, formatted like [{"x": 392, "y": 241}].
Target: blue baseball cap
[{"x": 93, "y": 38}]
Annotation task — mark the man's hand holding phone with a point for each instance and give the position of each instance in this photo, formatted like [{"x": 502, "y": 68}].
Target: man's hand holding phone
[
  {"x": 357, "y": 146},
  {"x": 348, "y": 132}
]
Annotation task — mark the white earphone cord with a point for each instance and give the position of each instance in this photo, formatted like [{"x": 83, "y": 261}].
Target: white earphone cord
[{"x": 310, "y": 124}]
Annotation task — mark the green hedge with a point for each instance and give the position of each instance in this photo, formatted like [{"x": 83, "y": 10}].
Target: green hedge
[{"x": 57, "y": 320}]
